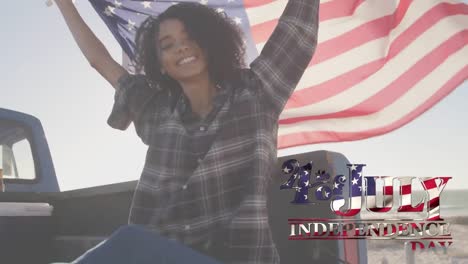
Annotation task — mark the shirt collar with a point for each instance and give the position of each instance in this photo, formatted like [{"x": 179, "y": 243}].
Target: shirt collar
[{"x": 183, "y": 104}]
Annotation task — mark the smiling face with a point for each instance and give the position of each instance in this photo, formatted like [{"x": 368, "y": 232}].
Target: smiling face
[{"x": 180, "y": 56}]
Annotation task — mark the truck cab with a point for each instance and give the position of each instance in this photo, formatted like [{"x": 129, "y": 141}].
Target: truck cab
[{"x": 26, "y": 163}]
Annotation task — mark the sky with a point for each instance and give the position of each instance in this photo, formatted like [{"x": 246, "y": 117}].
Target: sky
[{"x": 44, "y": 74}]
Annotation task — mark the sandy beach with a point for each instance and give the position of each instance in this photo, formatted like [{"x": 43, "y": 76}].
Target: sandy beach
[{"x": 385, "y": 251}]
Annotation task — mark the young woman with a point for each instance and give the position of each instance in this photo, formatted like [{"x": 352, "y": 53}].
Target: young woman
[{"x": 210, "y": 123}]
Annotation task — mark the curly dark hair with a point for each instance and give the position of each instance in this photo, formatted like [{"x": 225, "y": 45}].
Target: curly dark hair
[{"x": 213, "y": 31}]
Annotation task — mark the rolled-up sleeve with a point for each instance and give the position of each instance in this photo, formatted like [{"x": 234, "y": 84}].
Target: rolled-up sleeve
[{"x": 132, "y": 95}]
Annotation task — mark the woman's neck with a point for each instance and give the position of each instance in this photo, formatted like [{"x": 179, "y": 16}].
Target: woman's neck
[{"x": 200, "y": 92}]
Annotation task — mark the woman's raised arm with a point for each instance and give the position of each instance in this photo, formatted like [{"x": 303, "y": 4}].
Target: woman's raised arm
[
  {"x": 92, "y": 48},
  {"x": 288, "y": 52}
]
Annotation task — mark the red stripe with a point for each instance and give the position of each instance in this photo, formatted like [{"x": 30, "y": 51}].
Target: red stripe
[
  {"x": 405, "y": 189},
  {"x": 351, "y": 212},
  {"x": 388, "y": 190},
  {"x": 349, "y": 256},
  {"x": 380, "y": 209},
  {"x": 262, "y": 31},
  {"x": 303, "y": 138},
  {"x": 306, "y": 220},
  {"x": 329, "y": 10},
  {"x": 410, "y": 208},
  {"x": 332, "y": 87},
  {"x": 336, "y": 9},
  {"x": 256, "y": 3},
  {"x": 398, "y": 87},
  {"x": 434, "y": 202},
  {"x": 352, "y": 240},
  {"x": 341, "y": 83},
  {"x": 371, "y": 30},
  {"x": 431, "y": 183}
]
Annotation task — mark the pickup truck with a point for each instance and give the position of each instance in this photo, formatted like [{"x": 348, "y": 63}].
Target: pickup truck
[{"x": 41, "y": 224}]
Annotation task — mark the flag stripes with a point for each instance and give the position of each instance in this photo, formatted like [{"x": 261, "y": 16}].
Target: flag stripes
[{"x": 378, "y": 65}]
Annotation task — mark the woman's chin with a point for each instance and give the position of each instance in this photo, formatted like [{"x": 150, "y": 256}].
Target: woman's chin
[{"x": 189, "y": 73}]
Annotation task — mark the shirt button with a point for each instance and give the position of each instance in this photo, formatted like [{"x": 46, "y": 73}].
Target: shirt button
[
  {"x": 202, "y": 128},
  {"x": 184, "y": 186},
  {"x": 187, "y": 227}
]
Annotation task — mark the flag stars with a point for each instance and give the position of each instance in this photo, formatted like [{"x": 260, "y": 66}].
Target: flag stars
[
  {"x": 286, "y": 170},
  {"x": 353, "y": 167},
  {"x": 343, "y": 178},
  {"x": 335, "y": 185},
  {"x": 327, "y": 194},
  {"x": 354, "y": 181},
  {"x": 305, "y": 197},
  {"x": 131, "y": 25},
  {"x": 146, "y": 4},
  {"x": 319, "y": 189},
  {"x": 238, "y": 20},
  {"x": 110, "y": 10}
]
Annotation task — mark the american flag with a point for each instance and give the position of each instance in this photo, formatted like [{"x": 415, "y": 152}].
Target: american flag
[{"x": 378, "y": 64}]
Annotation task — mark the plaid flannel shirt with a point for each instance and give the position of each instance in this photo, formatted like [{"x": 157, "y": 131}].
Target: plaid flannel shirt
[{"x": 204, "y": 181}]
